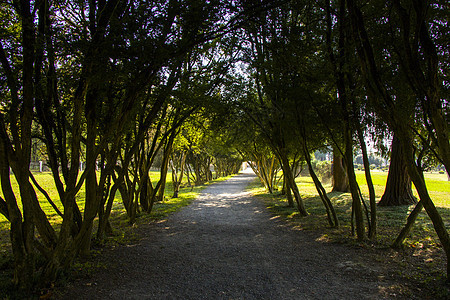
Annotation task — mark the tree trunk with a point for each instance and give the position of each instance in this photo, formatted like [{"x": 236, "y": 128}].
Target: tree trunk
[
  {"x": 372, "y": 199},
  {"x": 90, "y": 208},
  {"x": 264, "y": 167},
  {"x": 290, "y": 181},
  {"x": 143, "y": 201},
  {"x": 340, "y": 177},
  {"x": 407, "y": 228},
  {"x": 23, "y": 266},
  {"x": 177, "y": 180},
  {"x": 288, "y": 193},
  {"x": 331, "y": 213},
  {"x": 354, "y": 188},
  {"x": 283, "y": 189},
  {"x": 419, "y": 182},
  {"x": 104, "y": 227},
  {"x": 398, "y": 185},
  {"x": 164, "y": 168}
]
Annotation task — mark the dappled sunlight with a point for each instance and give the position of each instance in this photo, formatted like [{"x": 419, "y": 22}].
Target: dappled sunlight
[
  {"x": 216, "y": 204},
  {"x": 323, "y": 238}
]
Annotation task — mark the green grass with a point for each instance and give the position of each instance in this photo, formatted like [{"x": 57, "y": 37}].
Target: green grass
[
  {"x": 390, "y": 219},
  {"x": 437, "y": 184},
  {"x": 45, "y": 180},
  {"x": 422, "y": 259}
]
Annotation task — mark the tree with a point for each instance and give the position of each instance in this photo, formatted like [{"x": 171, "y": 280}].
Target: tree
[
  {"x": 286, "y": 57},
  {"x": 341, "y": 64},
  {"x": 398, "y": 185},
  {"x": 82, "y": 74},
  {"x": 15, "y": 134},
  {"x": 396, "y": 111},
  {"x": 340, "y": 177}
]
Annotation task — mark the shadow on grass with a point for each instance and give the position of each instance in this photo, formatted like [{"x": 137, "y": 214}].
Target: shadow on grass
[{"x": 421, "y": 262}]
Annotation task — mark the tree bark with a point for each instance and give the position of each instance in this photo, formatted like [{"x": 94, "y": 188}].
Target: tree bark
[
  {"x": 23, "y": 271},
  {"x": 103, "y": 223},
  {"x": 372, "y": 199},
  {"x": 340, "y": 177},
  {"x": 331, "y": 213},
  {"x": 165, "y": 166},
  {"x": 177, "y": 179},
  {"x": 398, "y": 189},
  {"x": 91, "y": 184},
  {"x": 408, "y": 226},
  {"x": 354, "y": 189},
  {"x": 290, "y": 183}
]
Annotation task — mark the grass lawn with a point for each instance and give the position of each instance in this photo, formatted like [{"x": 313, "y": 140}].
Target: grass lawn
[
  {"x": 422, "y": 257},
  {"x": 118, "y": 214},
  {"x": 391, "y": 217}
]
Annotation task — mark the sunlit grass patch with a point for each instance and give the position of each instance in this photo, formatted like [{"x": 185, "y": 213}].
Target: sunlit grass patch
[{"x": 390, "y": 219}]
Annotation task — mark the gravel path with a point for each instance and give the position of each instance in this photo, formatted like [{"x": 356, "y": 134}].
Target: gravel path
[{"x": 227, "y": 246}]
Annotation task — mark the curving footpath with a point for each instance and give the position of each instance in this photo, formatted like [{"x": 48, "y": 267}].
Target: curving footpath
[{"x": 227, "y": 246}]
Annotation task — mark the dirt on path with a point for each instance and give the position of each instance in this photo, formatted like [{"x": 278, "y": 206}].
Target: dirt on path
[{"x": 226, "y": 245}]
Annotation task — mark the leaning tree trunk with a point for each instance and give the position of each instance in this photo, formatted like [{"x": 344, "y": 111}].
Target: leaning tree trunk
[
  {"x": 416, "y": 175},
  {"x": 331, "y": 213},
  {"x": 290, "y": 183},
  {"x": 398, "y": 186},
  {"x": 408, "y": 226},
  {"x": 104, "y": 227}
]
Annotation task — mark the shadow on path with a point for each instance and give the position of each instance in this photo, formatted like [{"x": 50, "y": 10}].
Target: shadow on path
[{"x": 227, "y": 246}]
